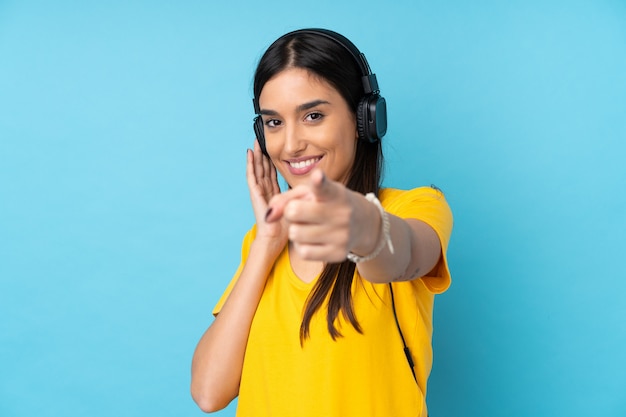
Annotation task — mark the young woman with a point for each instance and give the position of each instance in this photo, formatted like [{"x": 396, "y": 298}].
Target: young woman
[{"x": 330, "y": 310}]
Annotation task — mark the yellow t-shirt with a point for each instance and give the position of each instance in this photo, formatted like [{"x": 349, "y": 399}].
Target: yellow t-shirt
[{"x": 357, "y": 374}]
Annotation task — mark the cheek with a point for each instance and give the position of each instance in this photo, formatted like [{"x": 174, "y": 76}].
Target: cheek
[
  {"x": 274, "y": 153},
  {"x": 272, "y": 149},
  {"x": 348, "y": 146}
]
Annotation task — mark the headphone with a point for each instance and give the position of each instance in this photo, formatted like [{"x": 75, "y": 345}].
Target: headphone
[{"x": 371, "y": 112}]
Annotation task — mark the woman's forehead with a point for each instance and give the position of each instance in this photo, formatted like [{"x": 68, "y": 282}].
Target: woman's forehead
[{"x": 297, "y": 84}]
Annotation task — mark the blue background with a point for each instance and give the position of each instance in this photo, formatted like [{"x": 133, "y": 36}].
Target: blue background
[{"x": 123, "y": 201}]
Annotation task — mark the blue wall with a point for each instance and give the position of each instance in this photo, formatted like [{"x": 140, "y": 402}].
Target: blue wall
[{"x": 123, "y": 202}]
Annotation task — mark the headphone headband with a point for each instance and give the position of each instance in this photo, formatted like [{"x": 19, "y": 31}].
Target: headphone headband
[{"x": 370, "y": 84}]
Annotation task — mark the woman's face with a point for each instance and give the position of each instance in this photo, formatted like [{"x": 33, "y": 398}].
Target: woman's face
[{"x": 308, "y": 124}]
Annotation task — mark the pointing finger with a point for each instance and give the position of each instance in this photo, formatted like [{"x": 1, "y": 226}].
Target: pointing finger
[{"x": 322, "y": 187}]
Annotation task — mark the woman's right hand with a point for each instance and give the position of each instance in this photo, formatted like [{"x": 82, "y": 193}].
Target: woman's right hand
[
  {"x": 218, "y": 360},
  {"x": 263, "y": 185}
]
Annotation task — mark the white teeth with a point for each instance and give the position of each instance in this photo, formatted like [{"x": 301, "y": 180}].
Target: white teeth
[{"x": 303, "y": 164}]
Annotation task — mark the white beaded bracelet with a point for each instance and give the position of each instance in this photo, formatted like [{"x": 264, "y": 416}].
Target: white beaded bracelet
[{"x": 385, "y": 239}]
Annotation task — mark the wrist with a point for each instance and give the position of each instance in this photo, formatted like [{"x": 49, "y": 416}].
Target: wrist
[
  {"x": 380, "y": 239},
  {"x": 367, "y": 224},
  {"x": 267, "y": 248}
]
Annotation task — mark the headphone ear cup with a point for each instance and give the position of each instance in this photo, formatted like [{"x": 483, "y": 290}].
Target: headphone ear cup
[
  {"x": 371, "y": 118},
  {"x": 361, "y": 120},
  {"x": 259, "y": 131}
]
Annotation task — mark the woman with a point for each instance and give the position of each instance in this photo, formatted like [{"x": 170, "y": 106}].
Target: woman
[{"x": 308, "y": 324}]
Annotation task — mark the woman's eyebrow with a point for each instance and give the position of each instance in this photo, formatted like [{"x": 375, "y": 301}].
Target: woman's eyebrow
[
  {"x": 310, "y": 105},
  {"x": 302, "y": 107}
]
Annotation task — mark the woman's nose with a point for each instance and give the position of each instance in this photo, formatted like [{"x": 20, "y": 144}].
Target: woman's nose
[{"x": 294, "y": 141}]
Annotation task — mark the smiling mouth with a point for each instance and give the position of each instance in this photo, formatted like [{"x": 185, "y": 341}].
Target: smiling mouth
[{"x": 305, "y": 163}]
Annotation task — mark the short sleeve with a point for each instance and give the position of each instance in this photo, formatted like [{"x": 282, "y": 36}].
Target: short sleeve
[
  {"x": 429, "y": 205},
  {"x": 245, "y": 250}
]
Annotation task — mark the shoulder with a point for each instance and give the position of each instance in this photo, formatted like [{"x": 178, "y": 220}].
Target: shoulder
[
  {"x": 427, "y": 204},
  {"x": 393, "y": 193},
  {"x": 247, "y": 241},
  {"x": 396, "y": 201}
]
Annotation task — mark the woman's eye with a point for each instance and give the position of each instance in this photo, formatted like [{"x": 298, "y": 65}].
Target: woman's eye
[
  {"x": 314, "y": 116},
  {"x": 272, "y": 123}
]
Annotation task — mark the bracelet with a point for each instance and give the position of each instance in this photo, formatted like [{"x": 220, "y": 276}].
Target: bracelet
[{"x": 385, "y": 238}]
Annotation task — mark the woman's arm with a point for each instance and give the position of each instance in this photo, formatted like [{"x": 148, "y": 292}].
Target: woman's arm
[
  {"x": 218, "y": 359},
  {"x": 326, "y": 221},
  {"x": 417, "y": 249}
]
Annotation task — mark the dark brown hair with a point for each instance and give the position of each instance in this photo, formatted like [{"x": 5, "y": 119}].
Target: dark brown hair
[{"x": 327, "y": 59}]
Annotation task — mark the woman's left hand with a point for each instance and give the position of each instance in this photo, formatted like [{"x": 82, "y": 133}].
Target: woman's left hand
[{"x": 325, "y": 219}]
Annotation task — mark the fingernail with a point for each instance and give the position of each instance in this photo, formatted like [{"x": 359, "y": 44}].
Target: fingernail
[{"x": 267, "y": 214}]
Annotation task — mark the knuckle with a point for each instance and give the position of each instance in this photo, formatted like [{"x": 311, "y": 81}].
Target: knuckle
[
  {"x": 304, "y": 251},
  {"x": 299, "y": 249},
  {"x": 291, "y": 209},
  {"x": 293, "y": 233}
]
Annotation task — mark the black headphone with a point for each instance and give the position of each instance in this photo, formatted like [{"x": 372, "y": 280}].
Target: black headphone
[{"x": 371, "y": 112}]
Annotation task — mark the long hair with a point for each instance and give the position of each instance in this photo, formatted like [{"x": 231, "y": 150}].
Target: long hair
[{"x": 327, "y": 59}]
